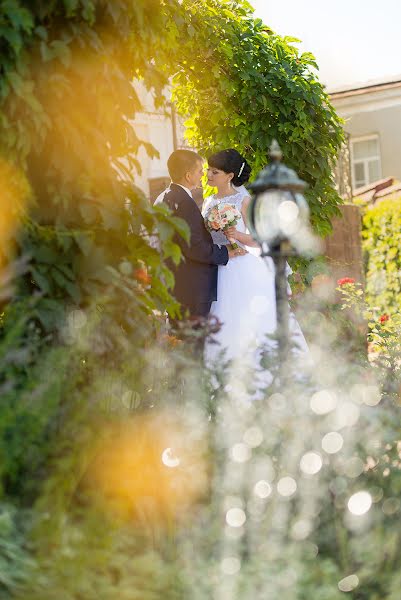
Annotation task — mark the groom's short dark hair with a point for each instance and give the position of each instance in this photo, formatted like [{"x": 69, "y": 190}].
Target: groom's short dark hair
[{"x": 180, "y": 162}]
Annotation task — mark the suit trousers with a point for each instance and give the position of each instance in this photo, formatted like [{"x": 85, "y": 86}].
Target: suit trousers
[{"x": 199, "y": 309}]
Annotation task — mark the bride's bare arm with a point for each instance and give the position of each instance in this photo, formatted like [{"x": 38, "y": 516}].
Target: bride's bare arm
[{"x": 244, "y": 238}]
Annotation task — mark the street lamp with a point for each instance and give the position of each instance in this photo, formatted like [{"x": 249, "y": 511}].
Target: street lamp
[{"x": 279, "y": 222}]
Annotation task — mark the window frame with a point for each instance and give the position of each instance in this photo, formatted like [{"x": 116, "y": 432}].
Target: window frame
[{"x": 365, "y": 161}]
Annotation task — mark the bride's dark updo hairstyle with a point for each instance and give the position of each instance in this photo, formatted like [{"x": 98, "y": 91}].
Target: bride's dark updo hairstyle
[{"x": 231, "y": 161}]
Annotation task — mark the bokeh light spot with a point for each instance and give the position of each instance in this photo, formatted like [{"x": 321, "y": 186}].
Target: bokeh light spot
[
  {"x": 240, "y": 453},
  {"x": 301, "y": 529},
  {"x": 169, "y": 459},
  {"x": 253, "y": 437},
  {"x": 235, "y": 517},
  {"x": 287, "y": 486},
  {"x": 323, "y": 402},
  {"x": 77, "y": 319},
  {"x": 347, "y": 414},
  {"x": 262, "y": 489},
  {"x": 348, "y": 583},
  {"x": 230, "y": 565},
  {"x": 311, "y": 463},
  {"x": 332, "y": 442},
  {"x": 323, "y": 287},
  {"x": 391, "y": 506},
  {"x": 353, "y": 467},
  {"x": 360, "y": 503},
  {"x": 366, "y": 394}
]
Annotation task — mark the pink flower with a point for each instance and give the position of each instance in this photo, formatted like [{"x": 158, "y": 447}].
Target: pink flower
[
  {"x": 219, "y": 218},
  {"x": 345, "y": 281}
]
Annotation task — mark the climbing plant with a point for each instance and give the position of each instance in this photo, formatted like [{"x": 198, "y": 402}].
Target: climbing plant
[
  {"x": 66, "y": 132},
  {"x": 241, "y": 85}
]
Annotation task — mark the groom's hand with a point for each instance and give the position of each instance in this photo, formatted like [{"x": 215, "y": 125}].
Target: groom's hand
[{"x": 237, "y": 252}]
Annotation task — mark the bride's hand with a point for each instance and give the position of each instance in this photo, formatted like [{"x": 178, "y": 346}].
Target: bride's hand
[{"x": 231, "y": 233}]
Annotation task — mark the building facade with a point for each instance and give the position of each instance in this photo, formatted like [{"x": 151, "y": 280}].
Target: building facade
[
  {"x": 155, "y": 127},
  {"x": 372, "y": 115},
  {"x": 164, "y": 130}
]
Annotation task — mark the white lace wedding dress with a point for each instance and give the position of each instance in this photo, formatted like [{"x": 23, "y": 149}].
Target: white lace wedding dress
[{"x": 245, "y": 302}]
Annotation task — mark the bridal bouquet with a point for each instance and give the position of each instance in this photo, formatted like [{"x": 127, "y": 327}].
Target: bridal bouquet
[{"x": 220, "y": 217}]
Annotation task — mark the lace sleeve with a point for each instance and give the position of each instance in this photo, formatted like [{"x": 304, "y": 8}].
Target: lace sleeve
[
  {"x": 207, "y": 205},
  {"x": 243, "y": 192}
]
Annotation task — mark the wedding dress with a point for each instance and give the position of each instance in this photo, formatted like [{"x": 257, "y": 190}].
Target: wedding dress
[{"x": 245, "y": 304}]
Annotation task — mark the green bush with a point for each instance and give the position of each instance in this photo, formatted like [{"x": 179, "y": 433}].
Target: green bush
[{"x": 382, "y": 247}]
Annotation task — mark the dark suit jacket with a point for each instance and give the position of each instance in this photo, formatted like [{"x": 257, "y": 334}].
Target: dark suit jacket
[{"x": 196, "y": 275}]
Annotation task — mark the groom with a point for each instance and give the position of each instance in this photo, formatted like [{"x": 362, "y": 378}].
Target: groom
[{"x": 196, "y": 275}]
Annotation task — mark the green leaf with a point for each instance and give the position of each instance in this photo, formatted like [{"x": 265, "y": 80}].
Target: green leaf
[
  {"x": 166, "y": 231},
  {"x": 111, "y": 218},
  {"x": 20, "y": 17},
  {"x": 45, "y": 254},
  {"x": 173, "y": 251},
  {"x": 50, "y": 313},
  {"x": 182, "y": 228},
  {"x": 41, "y": 280},
  {"x": 85, "y": 243},
  {"x": 42, "y": 32},
  {"x": 89, "y": 212},
  {"x": 71, "y": 7},
  {"x": 73, "y": 290},
  {"x": 61, "y": 50}
]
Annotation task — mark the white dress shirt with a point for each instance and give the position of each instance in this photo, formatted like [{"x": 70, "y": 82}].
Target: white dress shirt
[
  {"x": 188, "y": 191},
  {"x": 160, "y": 197}
]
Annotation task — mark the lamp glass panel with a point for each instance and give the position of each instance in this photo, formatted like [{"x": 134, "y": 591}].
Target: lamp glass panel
[{"x": 267, "y": 222}]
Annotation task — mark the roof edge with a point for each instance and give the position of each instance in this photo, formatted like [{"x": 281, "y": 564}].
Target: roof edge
[{"x": 365, "y": 89}]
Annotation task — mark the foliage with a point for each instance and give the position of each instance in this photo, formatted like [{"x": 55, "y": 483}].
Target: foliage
[
  {"x": 112, "y": 561},
  {"x": 60, "y": 405},
  {"x": 72, "y": 214},
  {"x": 15, "y": 561},
  {"x": 240, "y": 85},
  {"x": 310, "y": 543},
  {"x": 31, "y": 383},
  {"x": 76, "y": 161},
  {"x": 381, "y": 244},
  {"x": 382, "y": 332},
  {"x": 85, "y": 296}
]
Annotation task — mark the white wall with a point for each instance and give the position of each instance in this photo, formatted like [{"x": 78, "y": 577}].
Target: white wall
[{"x": 156, "y": 128}]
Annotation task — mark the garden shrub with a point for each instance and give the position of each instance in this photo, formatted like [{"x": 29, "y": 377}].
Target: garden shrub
[{"x": 382, "y": 247}]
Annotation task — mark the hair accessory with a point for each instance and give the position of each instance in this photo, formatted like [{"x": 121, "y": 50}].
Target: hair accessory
[{"x": 241, "y": 169}]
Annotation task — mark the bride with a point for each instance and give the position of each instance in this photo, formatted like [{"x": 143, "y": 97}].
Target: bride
[{"x": 245, "y": 302}]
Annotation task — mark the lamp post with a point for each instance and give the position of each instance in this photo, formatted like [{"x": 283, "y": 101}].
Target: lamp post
[{"x": 279, "y": 222}]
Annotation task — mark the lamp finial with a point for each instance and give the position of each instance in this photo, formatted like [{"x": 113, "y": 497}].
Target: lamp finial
[{"x": 275, "y": 152}]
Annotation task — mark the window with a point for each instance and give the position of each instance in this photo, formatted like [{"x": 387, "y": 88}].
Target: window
[{"x": 365, "y": 159}]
